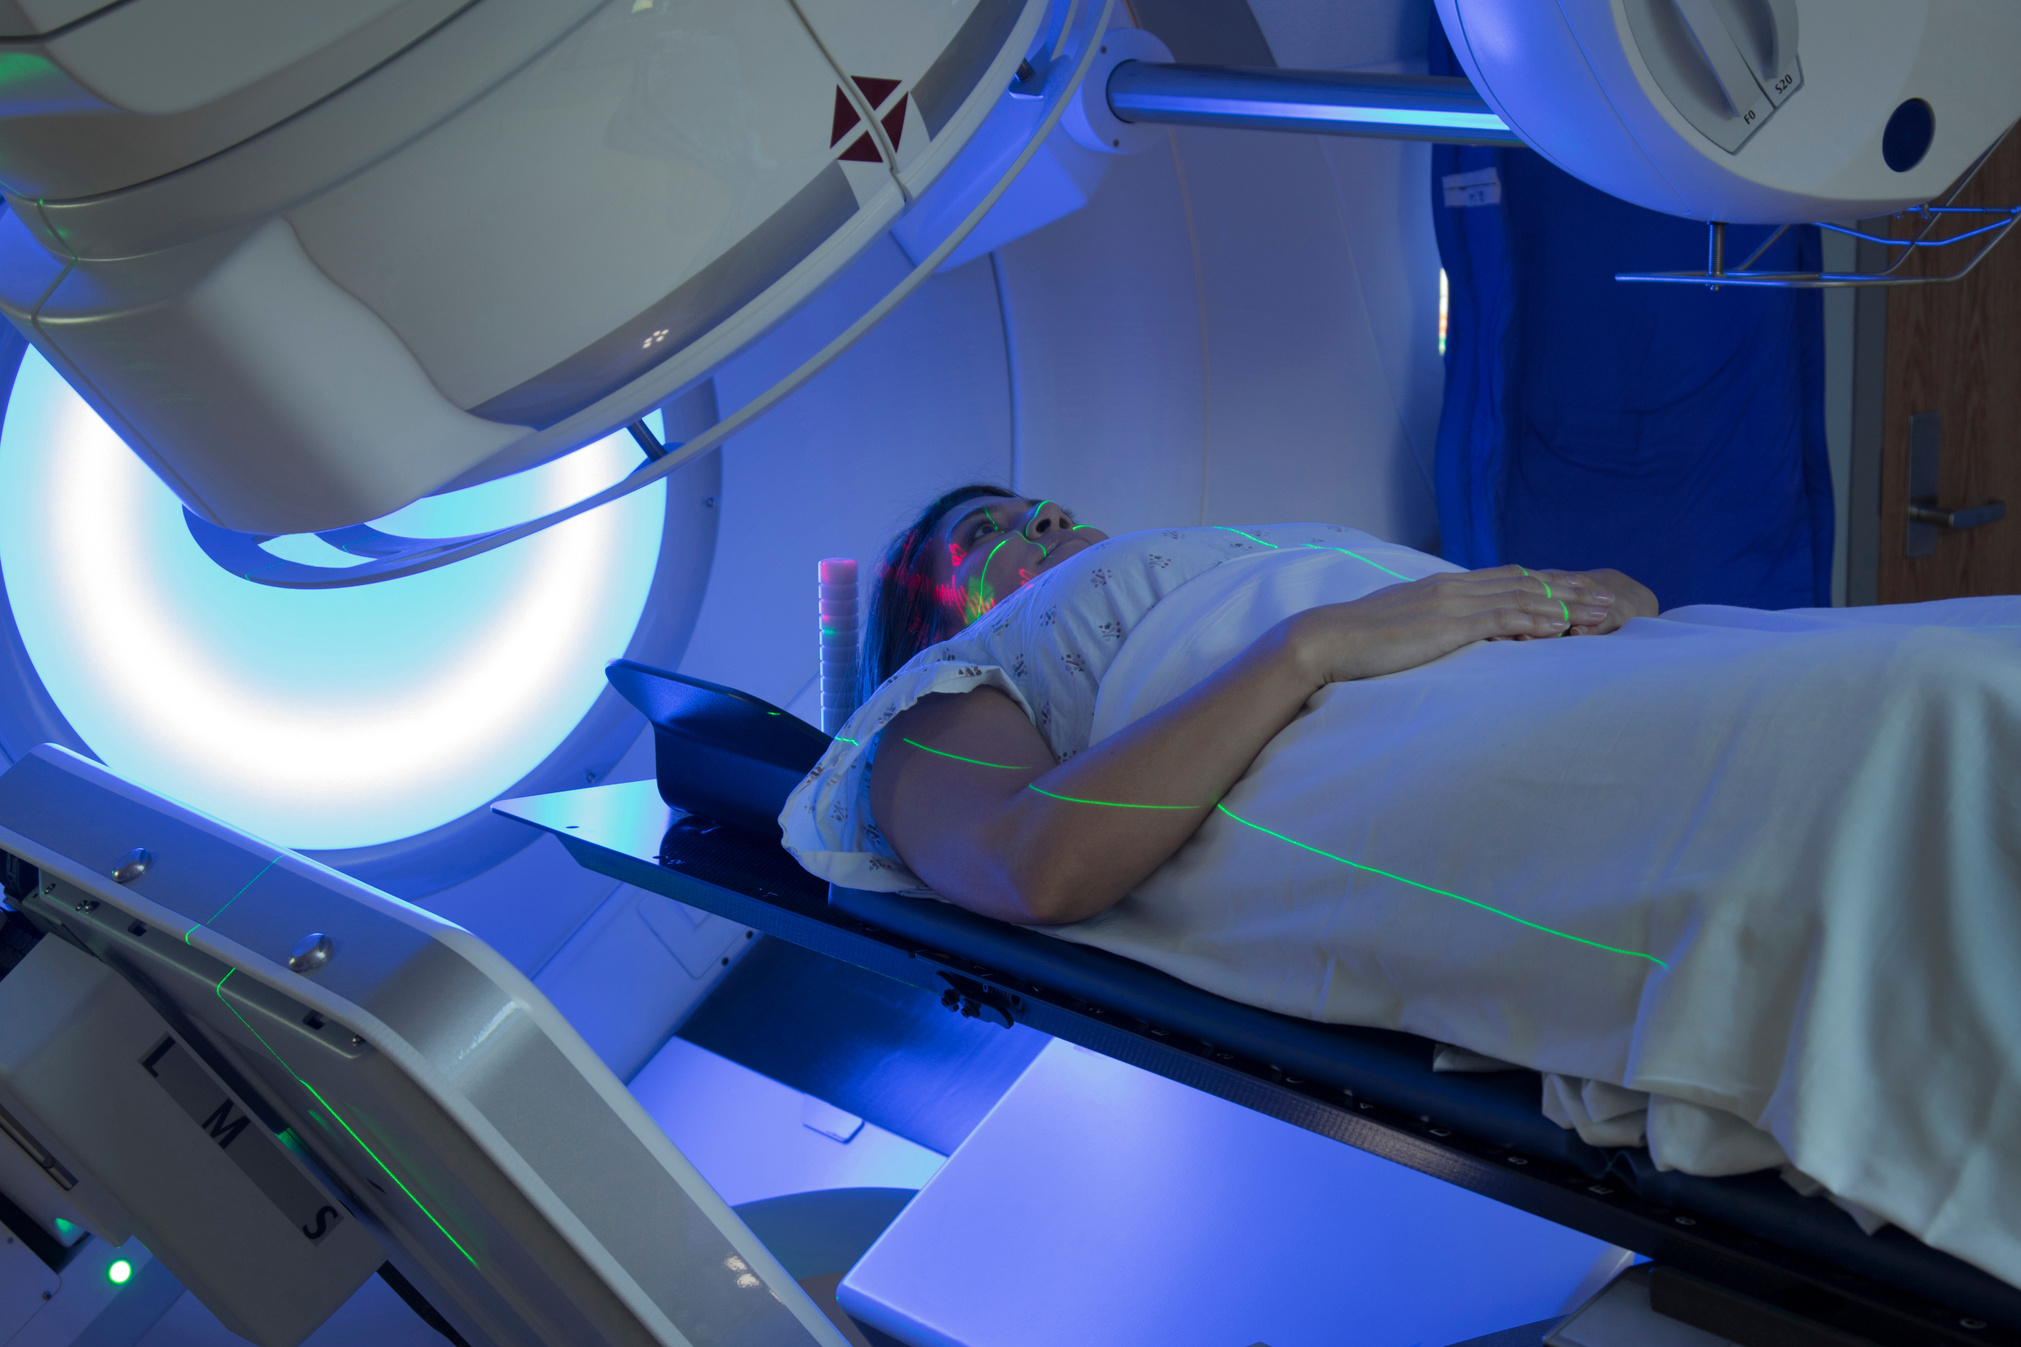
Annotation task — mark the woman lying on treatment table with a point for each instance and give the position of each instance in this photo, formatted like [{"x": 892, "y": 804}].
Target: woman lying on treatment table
[{"x": 1745, "y": 885}]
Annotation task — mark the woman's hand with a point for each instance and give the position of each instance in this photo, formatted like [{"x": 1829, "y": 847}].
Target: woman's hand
[
  {"x": 1407, "y": 625},
  {"x": 1631, "y": 598}
]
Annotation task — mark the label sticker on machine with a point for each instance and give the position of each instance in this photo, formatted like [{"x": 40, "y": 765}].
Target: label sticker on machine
[
  {"x": 239, "y": 1135},
  {"x": 1482, "y": 187}
]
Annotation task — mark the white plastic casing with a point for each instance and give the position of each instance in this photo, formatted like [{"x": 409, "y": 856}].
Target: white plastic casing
[
  {"x": 1572, "y": 78},
  {"x": 1089, "y": 121},
  {"x": 370, "y": 256}
]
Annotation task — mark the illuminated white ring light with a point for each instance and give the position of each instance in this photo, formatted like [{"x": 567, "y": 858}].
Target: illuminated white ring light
[{"x": 371, "y": 727}]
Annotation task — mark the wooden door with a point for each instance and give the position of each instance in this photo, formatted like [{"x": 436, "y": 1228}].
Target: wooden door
[{"x": 1955, "y": 349}]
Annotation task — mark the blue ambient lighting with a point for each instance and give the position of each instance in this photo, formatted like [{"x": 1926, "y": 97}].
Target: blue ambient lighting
[
  {"x": 1267, "y": 110},
  {"x": 315, "y": 718}
]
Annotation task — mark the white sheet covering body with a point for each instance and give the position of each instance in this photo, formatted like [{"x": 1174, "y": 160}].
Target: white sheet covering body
[{"x": 1763, "y": 866}]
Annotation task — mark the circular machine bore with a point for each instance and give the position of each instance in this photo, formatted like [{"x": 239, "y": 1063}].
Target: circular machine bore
[{"x": 318, "y": 719}]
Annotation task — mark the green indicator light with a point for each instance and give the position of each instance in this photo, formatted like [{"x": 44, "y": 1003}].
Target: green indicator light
[
  {"x": 120, "y": 1272},
  {"x": 1575, "y": 939},
  {"x": 974, "y": 762},
  {"x": 65, "y": 1228},
  {"x": 338, "y": 1117}
]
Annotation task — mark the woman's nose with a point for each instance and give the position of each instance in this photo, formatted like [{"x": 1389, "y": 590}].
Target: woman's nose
[{"x": 1045, "y": 518}]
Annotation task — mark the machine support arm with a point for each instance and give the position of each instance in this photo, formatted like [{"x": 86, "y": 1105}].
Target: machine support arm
[{"x": 1329, "y": 102}]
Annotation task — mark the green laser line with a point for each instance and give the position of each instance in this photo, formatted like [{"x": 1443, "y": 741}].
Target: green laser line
[
  {"x": 977, "y": 761},
  {"x": 1547, "y": 594},
  {"x": 220, "y": 991},
  {"x": 1318, "y": 548},
  {"x": 1271, "y": 832},
  {"x": 1359, "y": 557},
  {"x": 982, "y": 598},
  {"x": 1109, "y": 804},
  {"x": 1520, "y": 921},
  {"x": 1250, "y": 536},
  {"x": 234, "y": 898}
]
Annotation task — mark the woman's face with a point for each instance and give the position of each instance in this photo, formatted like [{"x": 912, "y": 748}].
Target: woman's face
[{"x": 984, "y": 549}]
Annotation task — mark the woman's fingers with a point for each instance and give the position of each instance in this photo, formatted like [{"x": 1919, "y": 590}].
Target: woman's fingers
[
  {"x": 1527, "y": 617},
  {"x": 1582, "y": 586},
  {"x": 1574, "y": 589},
  {"x": 1525, "y": 610}
]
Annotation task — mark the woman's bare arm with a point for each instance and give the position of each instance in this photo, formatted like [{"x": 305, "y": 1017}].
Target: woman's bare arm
[{"x": 966, "y": 791}]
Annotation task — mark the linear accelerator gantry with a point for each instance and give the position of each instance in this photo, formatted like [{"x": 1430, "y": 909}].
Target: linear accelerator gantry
[{"x": 394, "y": 248}]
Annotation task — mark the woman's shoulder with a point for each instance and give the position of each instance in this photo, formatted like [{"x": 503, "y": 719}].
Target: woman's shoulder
[
  {"x": 1245, "y": 537},
  {"x": 1132, "y": 570},
  {"x": 1171, "y": 554},
  {"x": 1227, "y": 539}
]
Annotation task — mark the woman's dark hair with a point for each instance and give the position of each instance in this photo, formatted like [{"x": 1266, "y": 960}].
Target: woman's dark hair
[{"x": 906, "y": 615}]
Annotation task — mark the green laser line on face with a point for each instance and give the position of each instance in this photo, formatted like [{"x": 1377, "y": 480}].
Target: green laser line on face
[
  {"x": 1030, "y": 515},
  {"x": 981, "y": 597}
]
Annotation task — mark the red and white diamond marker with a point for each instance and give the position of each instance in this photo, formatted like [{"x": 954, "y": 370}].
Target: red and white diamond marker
[{"x": 864, "y": 149}]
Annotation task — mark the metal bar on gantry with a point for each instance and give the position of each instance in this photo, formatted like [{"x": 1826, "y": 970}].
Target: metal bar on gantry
[{"x": 1341, "y": 103}]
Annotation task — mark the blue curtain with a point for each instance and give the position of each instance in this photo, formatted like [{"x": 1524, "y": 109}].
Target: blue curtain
[{"x": 1667, "y": 431}]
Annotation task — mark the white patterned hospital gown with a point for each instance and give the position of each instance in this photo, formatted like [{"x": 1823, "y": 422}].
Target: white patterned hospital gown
[
  {"x": 1744, "y": 882},
  {"x": 1047, "y": 646}
]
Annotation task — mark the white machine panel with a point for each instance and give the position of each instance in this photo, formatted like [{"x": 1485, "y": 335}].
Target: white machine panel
[
  {"x": 1099, "y": 1205},
  {"x": 402, "y": 1065},
  {"x": 473, "y": 248},
  {"x": 1749, "y": 111},
  {"x": 156, "y": 1142}
]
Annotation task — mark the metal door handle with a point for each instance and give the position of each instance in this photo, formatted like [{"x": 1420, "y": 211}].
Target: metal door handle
[
  {"x": 1925, "y": 512},
  {"x": 1925, "y": 517}
]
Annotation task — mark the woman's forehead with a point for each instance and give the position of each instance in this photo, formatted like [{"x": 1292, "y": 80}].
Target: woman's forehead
[{"x": 975, "y": 505}]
